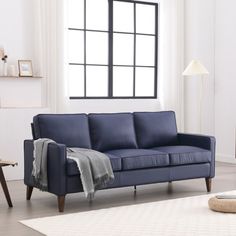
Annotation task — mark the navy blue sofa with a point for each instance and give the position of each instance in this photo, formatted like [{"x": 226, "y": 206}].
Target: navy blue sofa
[{"x": 144, "y": 148}]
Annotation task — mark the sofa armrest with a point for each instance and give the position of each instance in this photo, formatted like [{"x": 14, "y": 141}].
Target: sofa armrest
[
  {"x": 28, "y": 162},
  {"x": 57, "y": 169},
  {"x": 201, "y": 141},
  {"x": 56, "y": 166}
]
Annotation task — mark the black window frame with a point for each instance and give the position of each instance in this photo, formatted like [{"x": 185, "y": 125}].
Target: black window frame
[{"x": 110, "y": 64}]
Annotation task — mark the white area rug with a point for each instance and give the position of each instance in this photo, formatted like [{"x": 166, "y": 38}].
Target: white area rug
[{"x": 180, "y": 217}]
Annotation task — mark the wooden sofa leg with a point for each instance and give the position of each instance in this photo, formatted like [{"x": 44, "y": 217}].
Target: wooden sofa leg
[
  {"x": 61, "y": 203},
  {"x": 29, "y": 191},
  {"x": 208, "y": 184}
]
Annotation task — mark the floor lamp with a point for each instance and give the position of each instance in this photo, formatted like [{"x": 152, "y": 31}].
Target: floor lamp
[{"x": 195, "y": 68}]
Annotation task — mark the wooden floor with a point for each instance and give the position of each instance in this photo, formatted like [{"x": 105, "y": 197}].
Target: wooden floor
[{"x": 44, "y": 204}]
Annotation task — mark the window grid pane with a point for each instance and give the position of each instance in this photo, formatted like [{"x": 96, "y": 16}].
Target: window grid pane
[
  {"x": 123, "y": 81},
  {"x": 123, "y": 16},
  {"x": 144, "y": 86},
  {"x": 96, "y": 48},
  {"x": 123, "y": 49},
  {"x": 76, "y": 46},
  {"x": 96, "y": 14},
  {"x": 145, "y": 18},
  {"x": 145, "y": 50},
  {"x": 97, "y": 81},
  {"x": 76, "y": 81},
  {"x": 76, "y": 14}
]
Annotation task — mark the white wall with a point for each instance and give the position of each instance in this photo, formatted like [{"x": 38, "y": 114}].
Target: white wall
[
  {"x": 199, "y": 44},
  {"x": 113, "y": 105},
  {"x": 19, "y": 97},
  {"x": 14, "y": 129},
  {"x": 210, "y": 35},
  {"x": 21, "y": 92},
  {"x": 17, "y": 38},
  {"x": 225, "y": 95},
  {"x": 17, "y": 29}
]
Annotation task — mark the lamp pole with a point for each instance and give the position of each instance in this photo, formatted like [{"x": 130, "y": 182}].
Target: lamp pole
[
  {"x": 201, "y": 102},
  {"x": 196, "y": 68}
]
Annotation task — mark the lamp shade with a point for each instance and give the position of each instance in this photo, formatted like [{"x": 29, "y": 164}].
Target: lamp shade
[{"x": 195, "y": 68}]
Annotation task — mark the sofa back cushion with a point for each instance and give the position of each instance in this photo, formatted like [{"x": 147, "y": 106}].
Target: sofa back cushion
[
  {"x": 69, "y": 129},
  {"x": 112, "y": 131},
  {"x": 154, "y": 129}
]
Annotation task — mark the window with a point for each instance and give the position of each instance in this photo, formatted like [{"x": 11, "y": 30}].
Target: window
[{"x": 112, "y": 49}]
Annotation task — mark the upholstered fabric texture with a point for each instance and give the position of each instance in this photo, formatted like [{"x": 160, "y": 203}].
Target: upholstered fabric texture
[
  {"x": 140, "y": 158},
  {"x": 69, "y": 129},
  {"x": 182, "y": 155},
  {"x": 112, "y": 131},
  {"x": 155, "y": 129},
  {"x": 72, "y": 168}
]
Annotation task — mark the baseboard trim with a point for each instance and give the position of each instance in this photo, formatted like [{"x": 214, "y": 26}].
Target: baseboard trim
[{"x": 225, "y": 158}]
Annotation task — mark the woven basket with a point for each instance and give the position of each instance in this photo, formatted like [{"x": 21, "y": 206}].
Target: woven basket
[{"x": 222, "y": 205}]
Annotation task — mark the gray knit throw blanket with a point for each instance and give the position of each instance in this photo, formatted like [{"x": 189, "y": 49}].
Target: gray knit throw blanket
[
  {"x": 94, "y": 167},
  {"x": 39, "y": 172}
]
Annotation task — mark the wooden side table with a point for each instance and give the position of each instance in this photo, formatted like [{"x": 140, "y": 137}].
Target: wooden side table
[{"x": 3, "y": 181}]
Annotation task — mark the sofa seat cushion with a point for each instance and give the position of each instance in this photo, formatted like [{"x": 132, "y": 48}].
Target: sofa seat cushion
[
  {"x": 72, "y": 168},
  {"x": 183, "y": 155},
  {"x": 115, "y": 162},
  {"x": 140, "y": 158}
]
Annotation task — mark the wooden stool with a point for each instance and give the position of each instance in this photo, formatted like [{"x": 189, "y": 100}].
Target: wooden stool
[{"x": 3, "y": 181}]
